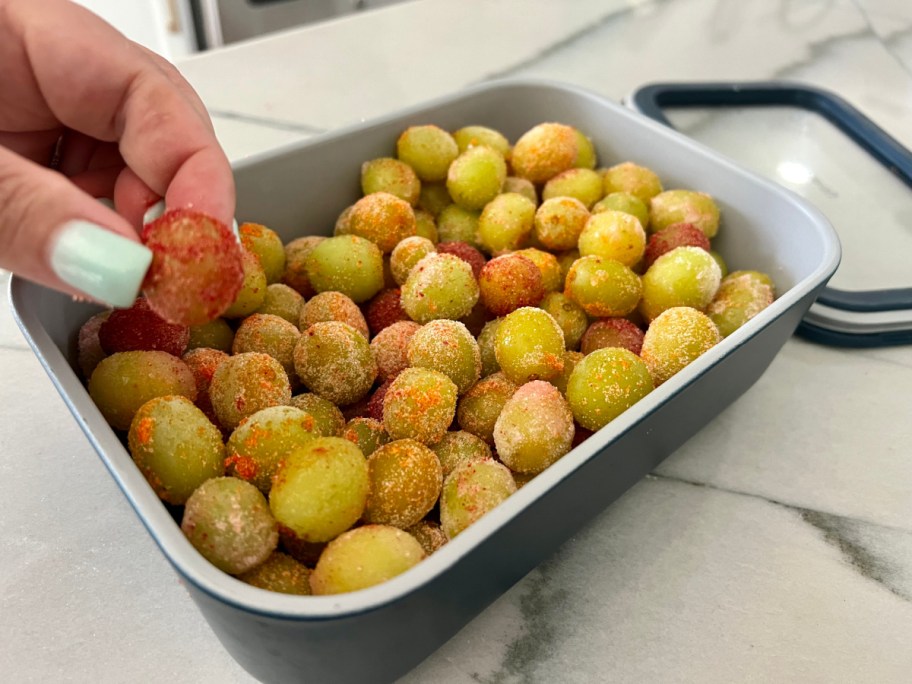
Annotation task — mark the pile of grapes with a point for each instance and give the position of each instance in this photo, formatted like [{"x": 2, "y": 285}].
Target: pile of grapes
[{"x": 323, "y": 414}]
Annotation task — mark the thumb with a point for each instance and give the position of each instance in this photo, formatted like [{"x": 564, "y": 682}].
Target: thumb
[{"x": 54, "y": 234}]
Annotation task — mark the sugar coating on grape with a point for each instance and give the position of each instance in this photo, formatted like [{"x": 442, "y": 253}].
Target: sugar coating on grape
[
  {"x": 405, "y": 480},
  {"x": 426, "y": 226},
  {"x": 455, "y": 224},
  {"x": 382, "y": 218},
  {"x": 253, "y": 287},
  {"x": 506, "y": 222},
  {"x": 124, "y": 381},
  {"x": 281, "y": 573},
  {"x": 684, "y": 206},
  {"x": 384, "y": 310},
  {"x": 434, "y": 197},
  {"x": 624, "y": 201},
  {"x": 420, "y": 404},
  {"x": 603, "y": 287},
  {"x": 534, "y": 429},
  {"x": 332, "y": 306},
  {"x": 391, "y": 176},
  {"x": 529, "y": 345},
  {"x": 268, "y": 247},
  {"x": 320, "y": 489},
  {"x": 390, "y": 348},
  {"x": 446, "y": 346},
  {"x": 296, "y": 252},
  {"x": 271, "y": 335},
  {"x": 203, "y": 363},
  {"x": 571, "y": 358},
  {"x": 510, "y": 282},
  {"x": 482, "y": 136},
  {"x": 741, "y": 296},
  {"x": 439, "y": 286},
  {"x": 566, "y": 260},
  {"x": 480, "y": 407},
  {"x": 196, "y": 269},
  {"x": 569, "y": 315},
  {"x": 639, "y": 181},
  {"x": 260, "y": 443},
  {"x": 328, "y": 419},
  {"x": 348, "y": 264},
  {"x": 215, "y": 334},
  {"x": 476, "y": 177},
  {"x": 460, "y": 446},
  {"x": 685, "y": 276},
  {"x": 334, "y": 361},
  {"x": 175, "y": 446},
  {"x": 139, "y": 328},
  {"x": 342, "y": 226},
  {"x": 472, "y": 490},
  {"x": 559, "y": 222},
  {"x": 605, "y": 384},
  {"x": 429, "y": 150},
  {"x": 406, "y": 254},
  {"x": 246, "y": 383},
  {"x": 466, "y": 252},
  {"x": 364, "y": 557},
  {"x": 548, "y": 266},
  {"x": 676, "y": 338},
  {"x": 675, "y": 235},
  {"x": 282, "y": 301},
  {"x": 486, "y": 339},
  {"x": 429, "y": 534},
  {"x": 228, "y": 521},
  {"x": 88, "y": 347},
  {"x": 584, "y": 184},
  {"x": 614, "y": 235},
  {"x": 612, "y": 332},
  {"x": 521, "y": 186},
  {"x": 367, "y": 434},
  {"x": 545, "y": 151}
]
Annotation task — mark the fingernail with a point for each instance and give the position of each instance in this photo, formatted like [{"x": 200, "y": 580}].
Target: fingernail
[
  {"x": 154, "y": 212},
  {"x": 102, "y": 264}
]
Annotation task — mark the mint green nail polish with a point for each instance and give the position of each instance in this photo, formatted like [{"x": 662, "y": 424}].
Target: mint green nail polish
[{"x": 102, "y": 264}]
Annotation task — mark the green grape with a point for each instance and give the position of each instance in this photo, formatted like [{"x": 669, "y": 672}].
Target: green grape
[
  {"x": 267, "y": 245},
  {"x": 676, "y": 338},
  {"x": 685, "y": 276},
  {"x": 569, "y": 315},
  {"x": 296, "y": 253},
  {"x": 365, "y": 433},
  {"x": 382, "y": 218},
  {"x": 448, "y": 347},
  {"x": 605, "y": 384},
  {"x": 328, "y": 419},
  {"x": 521, "y": 186},
  {"x": 408, "y": 253},
  {"x": 419, "y": 404},
  {"x": 429, "y": 534},
  {"x": 506, "y": 222},
  {"x": 544, "y": 151},
  {"x": 263, "y": 440},
  {"x": 455, "y": 224},
  {"x": 482, "y": 136},
  {"x": 583, "y": 184},
  {"x": 486, "y": 339},
  {"x": 245, "y": 383},
  {"x": 548, "y": 266},
  {"x": 429, "y": 150},
  {"x": 175, "y": 447},
  {"x": 476, "y": 177},
  {"x": 458, "y": 447},
  {"x": 440, "y": 286},
  {"x": 434, "y": 198},
  {"x": 215, "y": 334},
  {"x": 228, "y": 521},
  {"x": 124, "y": 381},
  {"x": 684, "y": 206},
  {"x": 723, "y": 267},
  {"x": 603, "y": 287},
  {"x": 332, "y": 306},
  {"x": 363, "y": 557},
  {"x": 348, "y": 264},
  {"x": 741, "y": 296},
  {"x": 426, "y": 226},
  {"x": 320, "y": 489},
  {"x": 614, "y": 235},
  {"x": 559, "y": 222},
  {"x": 631, "y": 178},
  {"x": 529, "y": 345},
  {"x": 534, "y": 429},
  {"x": 283, "y": 301},
  {"x": 585, "y": 156},
  {"x": 390, "y": 176},
  {"x": 571, "y": 358},
  {"x": 405, "y": 480},
  {"x": 509, "y": 282},
  {"x": 624, "y": 201},
  {"x": 280, "y": 572},
  {"x": 566, "y": 261},
  {"x": 479, "y": 407},
  {"x": 253, "y": 289},
  {"x": 471, "y": 490},
  {"x": 334, "y": 361},
  {"x": 271, "y": 335},
  {"x": 390, "y": 348}
]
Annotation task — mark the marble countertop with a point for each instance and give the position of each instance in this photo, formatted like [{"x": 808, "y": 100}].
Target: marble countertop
[{"x": 775, "y": 546}]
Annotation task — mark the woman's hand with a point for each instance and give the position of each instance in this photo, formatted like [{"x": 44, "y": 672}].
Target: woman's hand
[{"x": 86, "y": 113}]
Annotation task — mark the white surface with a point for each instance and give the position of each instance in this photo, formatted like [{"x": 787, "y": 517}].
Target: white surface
[
  {"x": 776, "y": 546},
  {"x": 163, "y": 26}
]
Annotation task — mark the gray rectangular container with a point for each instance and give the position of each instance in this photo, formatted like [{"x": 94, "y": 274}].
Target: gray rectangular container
[{"x": 380, "y": 633}]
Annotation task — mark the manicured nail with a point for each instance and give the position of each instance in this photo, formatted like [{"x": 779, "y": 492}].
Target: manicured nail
[
  {"x": 154, "y": 212},
  {"x": 102, "y": 264}
]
